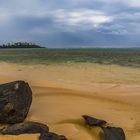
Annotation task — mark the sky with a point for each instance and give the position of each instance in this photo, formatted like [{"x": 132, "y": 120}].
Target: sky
[{"x": 71, "y": 23}]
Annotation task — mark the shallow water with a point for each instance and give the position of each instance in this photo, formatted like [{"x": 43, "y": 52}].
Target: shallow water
[{"x": 119, "y": 56}]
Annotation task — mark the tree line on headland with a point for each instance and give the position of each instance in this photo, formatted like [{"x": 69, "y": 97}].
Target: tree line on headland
[{"x": 20, "y": 45}]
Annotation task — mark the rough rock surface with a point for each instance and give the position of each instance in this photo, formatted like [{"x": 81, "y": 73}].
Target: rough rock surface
[
  {"x": 107, "y": 133},
  {"x": 31, "y": 128},
  {"x": 51, "y": 136},
  {"x": 112, "y": 133},
  {"x": 25, "y": 128},
  {"x": 15, "y": 101},
  {"x": 91, "y": 121}
]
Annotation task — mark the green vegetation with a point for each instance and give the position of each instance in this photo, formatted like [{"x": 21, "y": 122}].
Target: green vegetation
[
  {"x": 19, "y": 45},
  {"x": 124, "y": 57}
]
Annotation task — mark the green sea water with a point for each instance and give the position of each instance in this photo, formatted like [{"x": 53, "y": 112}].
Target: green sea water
[{"x": 119, "y": 56}]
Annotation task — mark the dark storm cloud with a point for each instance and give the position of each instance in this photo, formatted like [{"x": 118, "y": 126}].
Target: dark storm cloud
[{"x": 66, "y": 23}]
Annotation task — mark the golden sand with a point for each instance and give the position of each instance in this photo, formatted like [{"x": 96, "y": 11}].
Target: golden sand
[{"x": 64, "y": 92}]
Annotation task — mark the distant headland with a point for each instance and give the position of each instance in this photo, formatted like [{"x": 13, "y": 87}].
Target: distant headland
[{"x": 20, "y": 45}]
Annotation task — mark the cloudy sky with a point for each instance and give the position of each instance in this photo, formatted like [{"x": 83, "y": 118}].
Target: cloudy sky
[{"x": 71, "y": 23}]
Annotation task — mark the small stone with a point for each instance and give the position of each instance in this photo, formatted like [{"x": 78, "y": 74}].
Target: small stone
[
  {"x": 91, "y": 121},
  {"x": 51, "y": 136}
]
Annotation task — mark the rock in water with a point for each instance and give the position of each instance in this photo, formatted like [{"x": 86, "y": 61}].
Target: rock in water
[
  {"x": 15, "y": 101},
  {"x": 93, "y": 121},
  {"x": 112, "y": 133}
]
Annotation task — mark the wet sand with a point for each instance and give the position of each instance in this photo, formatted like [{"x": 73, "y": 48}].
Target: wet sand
[{"x": 64, "y": 92}]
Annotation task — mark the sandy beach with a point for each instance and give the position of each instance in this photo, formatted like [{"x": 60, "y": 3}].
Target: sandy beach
[{"x": 62, "y": 93}]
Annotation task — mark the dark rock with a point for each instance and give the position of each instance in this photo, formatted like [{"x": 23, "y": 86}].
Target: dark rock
[
  {"x": 32, "y": 128},
  {"x": 93, "y": 121},
  {"x": 107, "y": 133},
  {"x": 25, "y": 128},
  {"x": 15, "y": 101},
  {"x": 112, "y": 133},
  {"x": 51, "y": 136}
]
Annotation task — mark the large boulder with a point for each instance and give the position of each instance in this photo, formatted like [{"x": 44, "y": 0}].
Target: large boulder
[
  {"x": 112, "y": 133},
  {"x": 91, "y": 121},
  {"x": 15, "y": 101}
]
